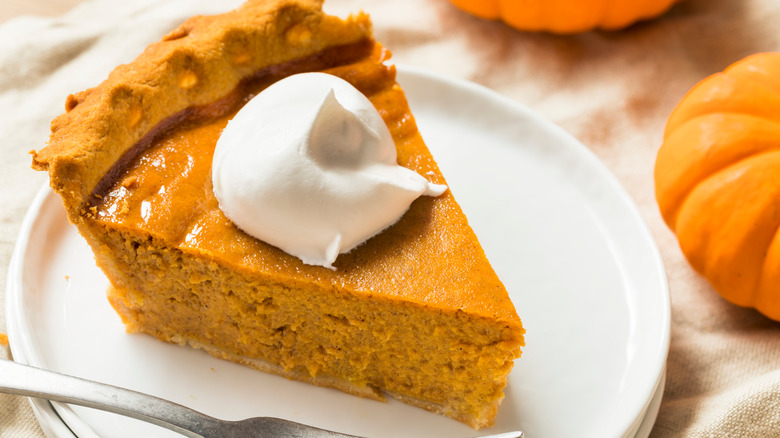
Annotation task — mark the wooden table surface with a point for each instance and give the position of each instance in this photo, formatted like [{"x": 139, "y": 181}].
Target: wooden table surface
[{"x": 47, "y": 8}]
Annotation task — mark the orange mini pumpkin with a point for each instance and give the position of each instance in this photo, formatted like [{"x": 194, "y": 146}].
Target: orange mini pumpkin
[
  {"x": 566, "y": 16},
  {"x": 717, "y": 181}
]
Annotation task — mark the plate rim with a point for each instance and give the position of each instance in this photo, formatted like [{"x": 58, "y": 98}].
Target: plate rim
[
  {"x": 49, "y": 420},
  {"x": 14, "y": 317}
]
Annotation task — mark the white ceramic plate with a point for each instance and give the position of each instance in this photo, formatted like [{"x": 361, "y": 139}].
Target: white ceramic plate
[{"x": 582, "y": 269}]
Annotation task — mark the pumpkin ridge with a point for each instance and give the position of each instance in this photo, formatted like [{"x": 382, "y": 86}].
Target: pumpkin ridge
[
  {"x": 701, "y": 181},
  {"x": 760, "y": 67},
  {"x": 730, "y": 245},
  {"x": 671, "y": 184},
  {"x": 721, "y": 93},
  {"x": 753, "y": 80},
  {"x": 744, "y": 159},
  {"x": 678, "y": 116},
  {"x": 773, "y": 120}
]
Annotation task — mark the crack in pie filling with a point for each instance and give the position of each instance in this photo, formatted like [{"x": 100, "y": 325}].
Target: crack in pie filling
[{"x": 415, "y": 312}]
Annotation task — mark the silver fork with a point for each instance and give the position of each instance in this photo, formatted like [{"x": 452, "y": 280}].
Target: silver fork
[{"x": 20, "y": 379}]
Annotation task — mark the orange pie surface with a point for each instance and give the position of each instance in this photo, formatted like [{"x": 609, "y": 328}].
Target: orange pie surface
[{"x": 416, "y": 312}]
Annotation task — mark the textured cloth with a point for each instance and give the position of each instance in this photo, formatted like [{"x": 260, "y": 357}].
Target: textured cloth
[{"x": 613, "y": 91}]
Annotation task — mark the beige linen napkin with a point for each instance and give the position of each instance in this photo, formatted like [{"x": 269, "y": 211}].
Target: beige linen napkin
[{"x": 613, "y": 91}]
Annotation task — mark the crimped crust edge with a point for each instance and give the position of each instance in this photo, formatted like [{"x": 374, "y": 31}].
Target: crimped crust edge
[{"x": 199, "y": 62}]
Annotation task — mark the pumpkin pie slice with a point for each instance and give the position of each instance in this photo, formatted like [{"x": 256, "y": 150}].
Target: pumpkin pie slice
[{"x": 416, "y": 312}]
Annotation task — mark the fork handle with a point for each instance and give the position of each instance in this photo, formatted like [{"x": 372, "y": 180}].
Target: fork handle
[{"x": 26, "y": 380}]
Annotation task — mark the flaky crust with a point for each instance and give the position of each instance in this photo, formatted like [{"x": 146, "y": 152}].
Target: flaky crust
[{"x": 197, "y": 63}]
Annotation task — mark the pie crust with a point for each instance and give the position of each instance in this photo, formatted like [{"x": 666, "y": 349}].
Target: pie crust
[{"x": 416, "y": 312}]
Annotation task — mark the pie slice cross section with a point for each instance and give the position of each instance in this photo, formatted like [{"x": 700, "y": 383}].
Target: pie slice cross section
[{"x": 416, "y": 312}]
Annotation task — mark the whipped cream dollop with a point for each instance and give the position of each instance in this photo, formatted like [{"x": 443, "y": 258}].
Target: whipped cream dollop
[{"x": 309, "y": 166}]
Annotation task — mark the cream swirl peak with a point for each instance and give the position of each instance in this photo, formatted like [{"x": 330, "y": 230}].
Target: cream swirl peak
[{"x": 309, "y": 166}]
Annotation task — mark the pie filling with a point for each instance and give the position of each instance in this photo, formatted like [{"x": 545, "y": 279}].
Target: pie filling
[{"x": 416, "y": 311}]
